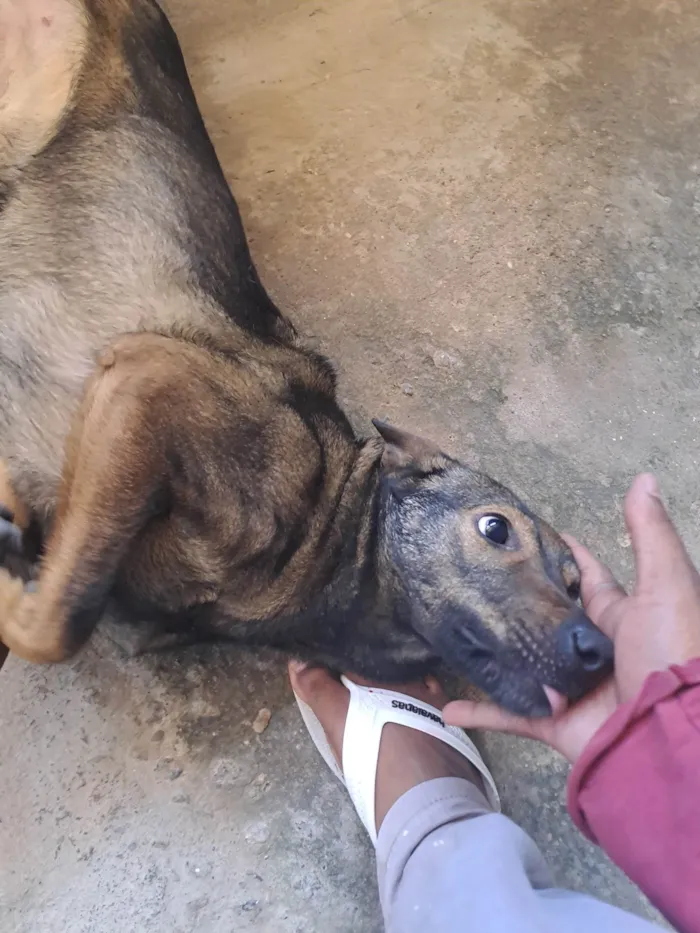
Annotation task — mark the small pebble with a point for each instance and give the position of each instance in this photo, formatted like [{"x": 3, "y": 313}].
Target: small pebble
[
  {"x": 444, "y": 360},
  {"x": 407, "y": 388},
  {"x": 262, "y": 720}
]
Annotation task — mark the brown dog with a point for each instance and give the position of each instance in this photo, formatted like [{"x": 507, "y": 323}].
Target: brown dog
[{"x": 181, "y": 451}]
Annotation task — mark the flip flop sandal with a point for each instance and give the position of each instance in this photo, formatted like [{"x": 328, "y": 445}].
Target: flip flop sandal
[{"x": 369, "y": 710}]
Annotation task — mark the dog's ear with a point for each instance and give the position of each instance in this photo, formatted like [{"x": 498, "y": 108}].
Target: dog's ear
[{"x": 406, "y": 453}]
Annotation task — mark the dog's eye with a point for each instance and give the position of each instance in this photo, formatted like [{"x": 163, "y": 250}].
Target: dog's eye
[{"x": 494, "y": 528}]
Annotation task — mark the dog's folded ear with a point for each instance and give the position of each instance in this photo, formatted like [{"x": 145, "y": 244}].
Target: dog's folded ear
[{"x": 406, "y": 454}]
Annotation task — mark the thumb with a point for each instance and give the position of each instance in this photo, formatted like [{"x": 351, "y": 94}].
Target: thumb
[
  {"x": 659, "y": 554},
  {"x": 599, "y": 588},
  {"x": 477, "y": 715}
]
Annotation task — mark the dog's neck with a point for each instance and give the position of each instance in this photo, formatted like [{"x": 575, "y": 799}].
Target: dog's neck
[{"x": 357, "y": 618}]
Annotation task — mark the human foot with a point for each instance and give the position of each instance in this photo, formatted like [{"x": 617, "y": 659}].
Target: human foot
[{"x": 407, "y": 756}]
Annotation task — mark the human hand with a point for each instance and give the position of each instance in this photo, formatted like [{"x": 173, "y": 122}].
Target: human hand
[{"x": 657, "y": 625}]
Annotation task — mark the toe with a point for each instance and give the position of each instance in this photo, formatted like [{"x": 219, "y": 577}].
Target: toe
[
  {"x": 435, "y": 693},
  {"x": 328, "y": 699},
  {"x": 312, "y": 684}
]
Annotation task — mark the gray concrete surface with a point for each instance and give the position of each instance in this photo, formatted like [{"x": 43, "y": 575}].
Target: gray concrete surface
[{"x": 487, "y": 214}]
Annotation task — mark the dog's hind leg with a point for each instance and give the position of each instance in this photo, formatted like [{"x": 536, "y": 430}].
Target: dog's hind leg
[
  {"x": 117, "y": 517},
  {"x": 111, "y": 477}
]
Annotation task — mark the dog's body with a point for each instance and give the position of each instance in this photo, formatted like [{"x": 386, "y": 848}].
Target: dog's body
[
  {"x": 181, "y": 450},
  {"x": 123, "y": 224},
  {"x": 121, "y": 208}
]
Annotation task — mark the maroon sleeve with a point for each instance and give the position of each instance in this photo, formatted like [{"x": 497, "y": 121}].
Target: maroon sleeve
[{"x": 635, "y": 791}]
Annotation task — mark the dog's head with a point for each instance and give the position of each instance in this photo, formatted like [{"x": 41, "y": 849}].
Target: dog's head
[{"x": 490, "y": 587}]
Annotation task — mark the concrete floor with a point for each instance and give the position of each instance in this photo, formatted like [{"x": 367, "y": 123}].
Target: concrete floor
[{"x": 488, "y": 214}]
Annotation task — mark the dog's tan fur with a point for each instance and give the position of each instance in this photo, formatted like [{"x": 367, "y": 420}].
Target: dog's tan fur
[{"x": 181, "y": 451}]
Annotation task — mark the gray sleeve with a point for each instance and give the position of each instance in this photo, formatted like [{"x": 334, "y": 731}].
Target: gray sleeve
[{"x": 447, "y": 863}]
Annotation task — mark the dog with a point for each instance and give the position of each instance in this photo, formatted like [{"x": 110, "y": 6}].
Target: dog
[{"x": 179, "y": 450}]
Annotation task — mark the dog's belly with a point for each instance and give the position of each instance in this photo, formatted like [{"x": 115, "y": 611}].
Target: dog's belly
[
  {"x": 47, "y": 351},
  {"x": 50, "y": 339},
  {"x": 43, "y": 365},
  {"x": 109, "y": 251}
]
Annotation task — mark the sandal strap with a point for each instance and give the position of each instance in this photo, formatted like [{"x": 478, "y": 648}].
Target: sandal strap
[{"x": 369, "y": 711}]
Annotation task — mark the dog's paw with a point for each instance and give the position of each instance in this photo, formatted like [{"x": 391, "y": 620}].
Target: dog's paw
[{"x": 10, "y": 534}]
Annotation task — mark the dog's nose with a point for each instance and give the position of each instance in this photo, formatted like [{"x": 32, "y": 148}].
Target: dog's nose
[{"x": 584, "y": 645}]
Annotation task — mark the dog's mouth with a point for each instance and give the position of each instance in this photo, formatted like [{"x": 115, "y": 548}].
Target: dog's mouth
[
  {"x": 515, "y": 689},
  {"x": 510, "y": 679}
]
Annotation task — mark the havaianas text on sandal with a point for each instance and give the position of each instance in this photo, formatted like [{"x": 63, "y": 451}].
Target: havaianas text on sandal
[
  {"x": 410, "y": 708},
  {"x": 177, "y": 452}
]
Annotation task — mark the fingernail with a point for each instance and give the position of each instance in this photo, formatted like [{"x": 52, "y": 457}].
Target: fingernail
[
  {"x": 650, "y": 485},
  {"x": 297, "y": 666}
]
